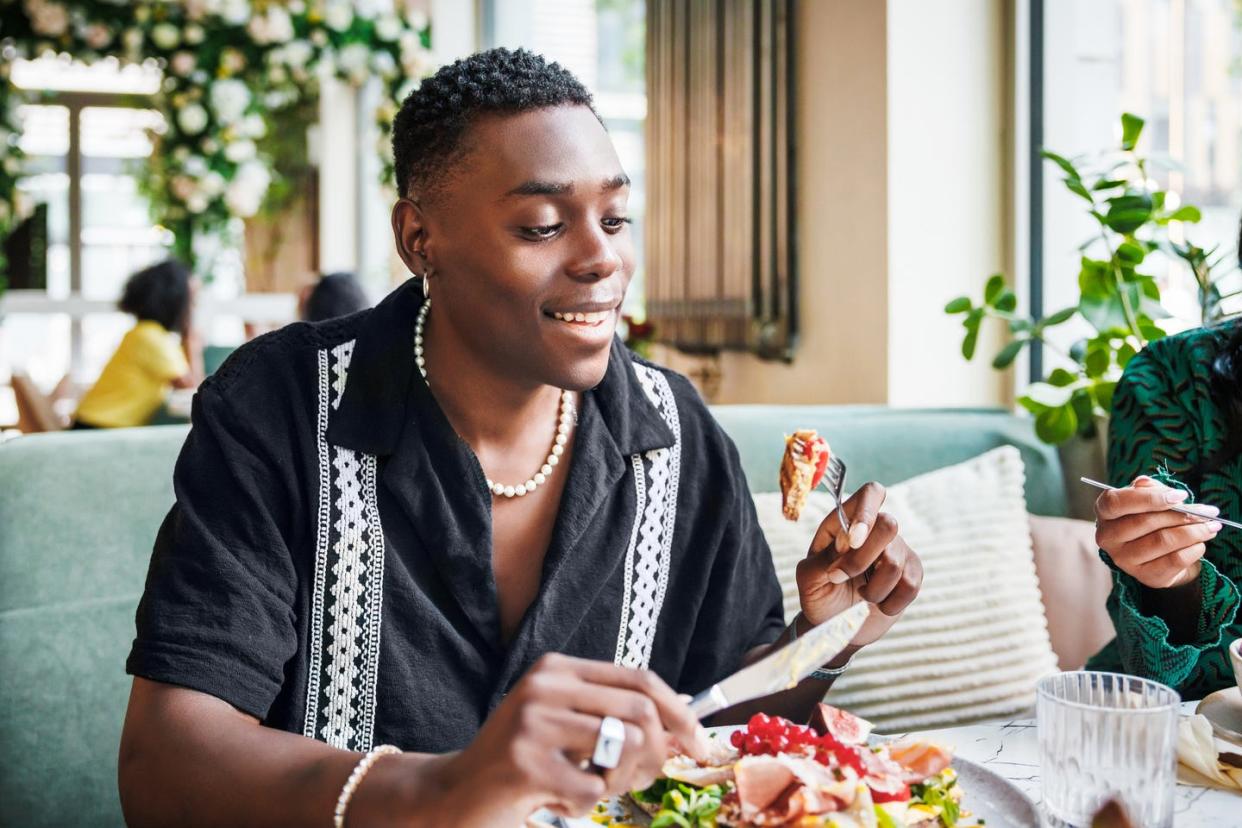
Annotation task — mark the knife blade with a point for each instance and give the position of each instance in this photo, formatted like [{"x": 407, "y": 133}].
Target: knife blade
[{"x": 784, "y": 668}]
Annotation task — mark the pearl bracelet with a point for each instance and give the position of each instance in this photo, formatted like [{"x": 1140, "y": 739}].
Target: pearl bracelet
[{"x": 355, "y": 779}]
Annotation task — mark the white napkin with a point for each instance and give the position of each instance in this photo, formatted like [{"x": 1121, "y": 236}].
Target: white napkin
[{"x": 1198, "y": 756}]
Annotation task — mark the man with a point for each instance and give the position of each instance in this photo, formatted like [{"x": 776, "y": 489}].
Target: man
[{"x": 474, "y": 526}]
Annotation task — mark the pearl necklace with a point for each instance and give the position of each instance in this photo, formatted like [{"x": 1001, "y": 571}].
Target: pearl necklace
[{"x": 565, "y": 421}]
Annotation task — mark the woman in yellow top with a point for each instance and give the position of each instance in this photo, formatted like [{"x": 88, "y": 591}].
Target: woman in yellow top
[{"x": 149, "y": 361}]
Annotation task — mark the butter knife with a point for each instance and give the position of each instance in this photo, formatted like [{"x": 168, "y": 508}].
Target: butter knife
[{"x": 784, "y": 668}]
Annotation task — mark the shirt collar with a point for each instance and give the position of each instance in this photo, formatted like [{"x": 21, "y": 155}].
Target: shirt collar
[{"x": 376, "y": 402}]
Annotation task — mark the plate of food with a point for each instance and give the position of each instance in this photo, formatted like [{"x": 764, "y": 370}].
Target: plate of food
[{"x": 830, "y": 774}]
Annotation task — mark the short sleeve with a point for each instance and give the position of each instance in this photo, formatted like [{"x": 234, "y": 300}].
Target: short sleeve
[
  {"x": 160, "y": 354},
  {"x": 742, "y": 608},
  {"x": 217, "y": 612}
]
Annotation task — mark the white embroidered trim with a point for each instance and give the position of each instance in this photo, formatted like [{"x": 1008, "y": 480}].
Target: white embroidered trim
[
  {"x": 321, "y": 555},
  {"x": 349, "y": 576},
  {"x": 657, "y": 474}
]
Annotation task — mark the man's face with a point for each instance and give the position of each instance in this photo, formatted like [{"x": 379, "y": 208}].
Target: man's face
[{"x": 530, "y": 246}]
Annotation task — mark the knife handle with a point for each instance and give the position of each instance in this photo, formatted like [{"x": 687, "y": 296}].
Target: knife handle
[{"x": 712, "y": 700}]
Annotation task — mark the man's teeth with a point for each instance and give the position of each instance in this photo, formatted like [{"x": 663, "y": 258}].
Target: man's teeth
[{"x": 592, "y": 318}]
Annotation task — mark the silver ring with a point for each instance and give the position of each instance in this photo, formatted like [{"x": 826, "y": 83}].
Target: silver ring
[{"x": 609, "y": 743}]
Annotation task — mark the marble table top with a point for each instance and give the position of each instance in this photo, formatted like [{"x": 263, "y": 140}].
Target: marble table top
[{"x": 1011, "y": 749}]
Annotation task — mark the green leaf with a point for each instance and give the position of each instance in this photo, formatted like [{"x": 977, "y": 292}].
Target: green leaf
[
  {"x": 1103, "y": 392},
  {"x": 667, "y": 819},
  {"x": 1095, "y": 278},
  {"x": 1109, "y": 183},
  {"x": 1150, "y": 330},
  {"x": 959, "y": 305},
  {"x": 1125, "y": 353},
  {"x": 1188, "y": 213},
  {"x": 1008, "y": 354},
  {"x": 1105, "y": 314},
  {"x": 1131, "y": 129},
  {"x": 1060, "y": 317},
  {"x": 1062, "y": 378},
  {"x": 1097, "y": 361},
  {"x": 994, "y": 288},
  {"x": 1031, "y": 405},
  {"x": 1008, "y": 301},
  {"x": 969, "y": 343},
  {"x": 1056, "y": 425},
  {"x": 1128, "y": 213},
  {"x": 1048, "y": 395},
  {"x": 1131, "y": 253},
  {"x": 1061, "y": 162},
  {"x": 1083, "y": 404}
]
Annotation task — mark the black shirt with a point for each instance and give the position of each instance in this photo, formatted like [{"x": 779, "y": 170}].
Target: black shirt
[{"x": 327, "y": 565}]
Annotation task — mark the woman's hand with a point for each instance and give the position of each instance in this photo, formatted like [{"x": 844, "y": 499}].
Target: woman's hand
[
  {"x": 1158, "y": 547},
  {"x": 871, "y": 563},
  {"x": 532, "y": 751}
]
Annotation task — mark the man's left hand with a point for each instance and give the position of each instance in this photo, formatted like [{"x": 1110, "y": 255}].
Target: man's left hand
[{"x": 869, "y": 563}]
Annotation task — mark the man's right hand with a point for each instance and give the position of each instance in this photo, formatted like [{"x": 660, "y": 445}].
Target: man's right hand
[
  {"x": 532, "y": 752},
  {"x": 1158, "y": 547}
]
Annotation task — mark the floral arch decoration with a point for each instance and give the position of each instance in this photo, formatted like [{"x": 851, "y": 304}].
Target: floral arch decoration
[{"x": 236, "y": 74}]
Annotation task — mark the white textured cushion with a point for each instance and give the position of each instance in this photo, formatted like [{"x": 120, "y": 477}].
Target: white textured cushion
[{"x": 975, "y": 641}]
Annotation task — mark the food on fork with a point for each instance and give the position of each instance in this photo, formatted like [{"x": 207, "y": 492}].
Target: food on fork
[
  {"x": 803, "y": 466},
  {"x": 781, "y": 774}
]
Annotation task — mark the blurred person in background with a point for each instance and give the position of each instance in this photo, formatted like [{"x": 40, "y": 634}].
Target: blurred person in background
[
  {"x": 335, "y": 294},
  {"x": 161, "y": 352}
]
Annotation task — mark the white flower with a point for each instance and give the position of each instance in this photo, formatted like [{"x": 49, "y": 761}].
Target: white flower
[
  {"x": 388, "y": 28},
  {"x": 279, "y": 25},
  {"x": 195, "y": 166},
  {"x": 240, "y": 151},
  {"x": 297, "y": 53},
  {"x": 253, "y": 126},
  {"x": 406, "y": 89},
  {"x": 232, "y": 60},
  {"x": 180, "y": 154},
  {"x": 383, "y": 64},
  {"x": 194, "y": 34},
  {"x": 245, "y": 192},
  {"x": 229, "y": 99},
  {"x": 353, "y": 61},
  {"x": 183, "y": 63},
  {"x": 48, "y": 19},
  {"x": 235, "y": 12},
  {"x": 277, "y": 75},
  {"x": 97, "y": 36},
  {"x": 210, "y": 146},
  {"x": 319, "y": 37},
  {"x": 257, "y": 28},
  {"x": 197, "y": 203},
  {"x": 165, "y": 36},
  {"x": 417, "y": 18},
  {"x": 416, "y": 60},
  {"x": 338, "y": 16},
  {"x": 296, "y": 6},
  {"x": 212, "y": 184},
  {"x": 132, "y": 39},
  {"x": 192, "y": 119},
  {"x": 372, "y": 8}
]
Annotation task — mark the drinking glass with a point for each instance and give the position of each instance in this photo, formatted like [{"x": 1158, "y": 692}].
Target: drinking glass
[{"x": 1104, "y": 735}]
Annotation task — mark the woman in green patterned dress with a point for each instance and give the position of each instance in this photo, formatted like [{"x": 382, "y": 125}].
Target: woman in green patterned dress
[{"x": 1176, "y": 434}]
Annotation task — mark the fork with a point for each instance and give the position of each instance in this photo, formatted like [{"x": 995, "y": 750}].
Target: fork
[{"x": 834, "y": 481}]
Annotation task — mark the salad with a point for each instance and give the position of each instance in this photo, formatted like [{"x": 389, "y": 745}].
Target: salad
[{"x": 777, "y": 773}]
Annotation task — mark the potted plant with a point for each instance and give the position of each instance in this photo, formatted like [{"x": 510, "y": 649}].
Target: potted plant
[{"x": 1119, "y": 303}]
